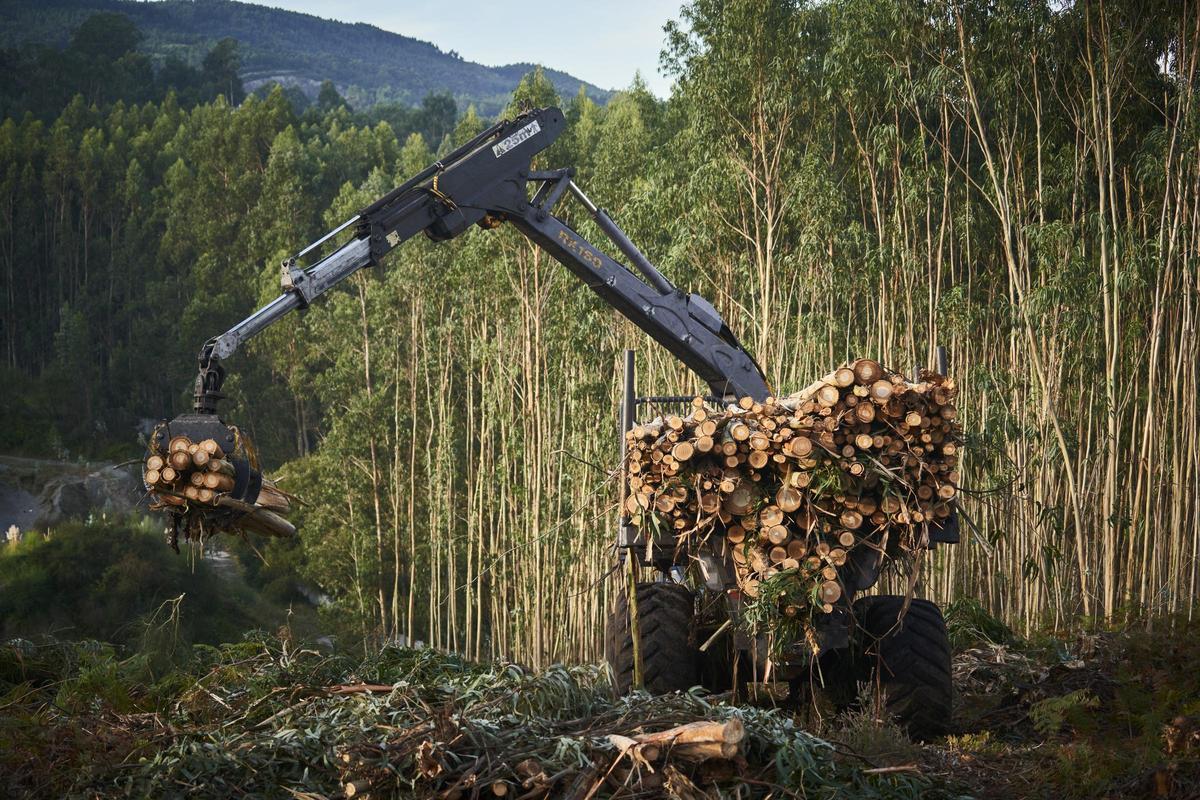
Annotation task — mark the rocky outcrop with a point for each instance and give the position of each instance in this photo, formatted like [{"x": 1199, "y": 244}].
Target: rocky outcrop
[
  {"x": 110, "y": 491},
  {"x": 38, "y": 494}
]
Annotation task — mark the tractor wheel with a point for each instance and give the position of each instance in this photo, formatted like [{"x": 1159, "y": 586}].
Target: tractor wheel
[
  {"x": 670, "y": 660},
  {"x": 908, "y": 658}
]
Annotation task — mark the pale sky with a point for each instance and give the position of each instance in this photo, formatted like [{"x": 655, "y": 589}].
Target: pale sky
[{"x": 603, "y": 43}]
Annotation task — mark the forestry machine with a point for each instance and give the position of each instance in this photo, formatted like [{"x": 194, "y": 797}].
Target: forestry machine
[{"x": 684, "y": 612}]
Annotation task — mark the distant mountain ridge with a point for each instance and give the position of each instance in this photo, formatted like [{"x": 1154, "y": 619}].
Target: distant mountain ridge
[{"x": 367, "y": 64}]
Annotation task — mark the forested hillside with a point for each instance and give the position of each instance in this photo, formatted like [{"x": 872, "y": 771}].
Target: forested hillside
[
  {"x": 368, "y": 65},
  {"x": 1016, "y": 181}
]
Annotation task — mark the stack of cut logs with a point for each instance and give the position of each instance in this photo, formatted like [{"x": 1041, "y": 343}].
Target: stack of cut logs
[
  {"x": 196, "y": 477},
  {"x": 790, "y": 486}
]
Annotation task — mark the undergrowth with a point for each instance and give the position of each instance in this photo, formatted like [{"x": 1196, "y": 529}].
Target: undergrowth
[
  {"x": 1111, "y": 714},
  {"x": 1082, "y": 715},
  {"x": 261, "y": 718}
]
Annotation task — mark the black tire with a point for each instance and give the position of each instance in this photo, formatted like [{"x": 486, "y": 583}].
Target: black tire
[
  {"x": 670, "y": 659},
  {"x": 908, "y": 658}
]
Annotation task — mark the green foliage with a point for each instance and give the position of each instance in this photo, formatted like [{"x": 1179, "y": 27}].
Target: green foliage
[
  {"x": 106, "y": 36},
  {"x": 108, "y": 581},
  {"x": 819, "y": 173},
  {"x": 1050, "y": 715},
  {"x": 328, "y": 98},
  {"x": 367, "y": 64},
  {"x": 970, "y": 624},
  {"x": 103, "y": 63},
  {"x": 866, "y": 731},
  {"x": 765, "y": 614}
]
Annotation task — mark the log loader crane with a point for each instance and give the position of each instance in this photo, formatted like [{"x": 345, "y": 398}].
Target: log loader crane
[{"x": 490, "y": 181}]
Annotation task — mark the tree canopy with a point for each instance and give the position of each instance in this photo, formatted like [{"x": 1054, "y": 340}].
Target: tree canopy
[{"x": 1015, "y": 180}]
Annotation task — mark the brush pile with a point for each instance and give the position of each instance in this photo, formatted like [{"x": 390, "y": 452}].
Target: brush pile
[
  {"x": 267, "y": 718},
  {"x": 195, "y": 481},
  {"x": 786, "y": 489}
]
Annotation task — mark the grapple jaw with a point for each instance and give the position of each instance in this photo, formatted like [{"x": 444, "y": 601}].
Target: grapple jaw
[
  {"x": 216, "y": 487},
  {"x": 247, "y": 481}
]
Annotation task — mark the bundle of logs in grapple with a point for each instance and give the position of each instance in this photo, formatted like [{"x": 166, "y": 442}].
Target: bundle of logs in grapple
[
  {"x": 195, "y": 481},
  {"x": 789, "y": 487}
]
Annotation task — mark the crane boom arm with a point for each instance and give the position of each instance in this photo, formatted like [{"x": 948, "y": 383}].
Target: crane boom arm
[{"x": 487, "y": 182}]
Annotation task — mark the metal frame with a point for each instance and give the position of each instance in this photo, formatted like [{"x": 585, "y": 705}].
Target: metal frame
[{"x": 485, "y": 182}]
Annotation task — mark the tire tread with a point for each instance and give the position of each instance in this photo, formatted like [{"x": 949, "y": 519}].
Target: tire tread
[
  {"x": 910, "y": 658},
  {"x": 670, "y": 661}
]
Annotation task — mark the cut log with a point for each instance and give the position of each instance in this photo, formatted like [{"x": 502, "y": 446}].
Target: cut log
[
  {"x": 778, "y": 534},
  {"x": 828, "y": 395},
  {"x": 650, "y": 751},
  {"x": 732, "y": 731},
  {"x": 799, "y": 446},
  {"x": 867, "y": 371},
  {"x": 739, "y": 500},
  {"x": 223, "y": 467},
  {"x": 770, "y": 516},
  {"x": 258, "y": 519},
  {"x": 830, "y": 592},
  {"x": 213, "y": 449},
  {"x": 217, "y": 482},
  {"x": 356, "y": 788},
  {"x": 682, "y": 451},
  {"x": 788, "y": 499}
]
